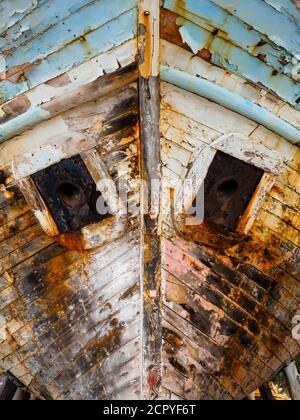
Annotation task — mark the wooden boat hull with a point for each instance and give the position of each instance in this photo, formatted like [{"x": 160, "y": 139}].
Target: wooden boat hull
[{"x": 146, "y": 304}]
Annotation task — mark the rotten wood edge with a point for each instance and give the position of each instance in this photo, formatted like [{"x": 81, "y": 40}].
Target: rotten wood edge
[
  {"x": 32, "y": 161},
  {"x": 150, "y": 162},
  {"x": 242, "y": 148},
  {"x": 36, "y": 203}
]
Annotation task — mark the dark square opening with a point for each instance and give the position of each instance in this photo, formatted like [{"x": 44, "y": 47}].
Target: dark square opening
[
  {"x": 229, "y": 187},
  {"x": 70, "y": 193}
]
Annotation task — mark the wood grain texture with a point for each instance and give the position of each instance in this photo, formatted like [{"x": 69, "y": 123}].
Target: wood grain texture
[
  {"x": 151, "y": 312},
  {"x": 76, "y": 311},
  {"x": 150, "y": 171},
  {"x": 243, "y": 294}
]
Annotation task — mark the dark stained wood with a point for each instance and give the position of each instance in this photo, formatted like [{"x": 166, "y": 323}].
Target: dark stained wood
[
  {"x": 70, "y": 193},
  {"x": 7, "y": 390},
  {"x": 98, "y": 324},
  {"x": 151, "y": 172},
  {"x": 266, "y": 393},
  {"x": 229, "y": 187},
  {"x": 72, "y": 300}
]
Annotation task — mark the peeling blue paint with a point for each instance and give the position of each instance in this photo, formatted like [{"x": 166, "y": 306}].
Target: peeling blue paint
[
  {"x": 45, "y": 15},
  {"x": 264, "y": 18},
  {"x": 9, "y": 90},
  {"x": 113, "y": 33},
  {"x": 241, "y": 63},
  {"x": 286, "y": 7},
  {"x": 231, "y": 101},
  {"x": 103, "y": 39},
  {"x": 22, "y": 123},
  {"x": 256, "y": 40},
  {"x": 190, "y": 34},
  {"x": 209, "y": 16},
  {"x": 12, "y": 12},
  {"x": 76, "y": 25}
]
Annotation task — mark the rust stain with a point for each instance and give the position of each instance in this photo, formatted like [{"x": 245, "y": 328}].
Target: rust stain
[
  {"x": 153, "y": 379},
  {"x": 277, "y": 190},
  {"x": 9, "y": 51},
  {"x": 174, "y": 339},
  {"x": 148, "y": 63},
  {"x": 16, "y": 73},
  {"x": 9, "y": 180},
  {"x": 262, "y": 57},
  {"x": 205, "y": 54},
  {"x": 97, "y": 127},
  {"x": 11, "y": 344},
  {"x": 130, "y": 292},
  {"x": 145, "y": 52},
  {"x": 209, "y": 234},
  {"x": 9, "y": 276},
  {"x": 134, "y": 135},
  {"x": 71, "y": 240},
  {"x": 169, "y": 30},
  {"x": 297, "y": 3}
]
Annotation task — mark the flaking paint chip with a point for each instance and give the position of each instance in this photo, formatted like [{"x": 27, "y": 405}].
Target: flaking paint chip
[{"x": 153, "y": 293}]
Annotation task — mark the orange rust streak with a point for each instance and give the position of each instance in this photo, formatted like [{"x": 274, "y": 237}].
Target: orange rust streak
[
  {"x": 61, "y": 80},
  {"x": 71, "y": 240},
  {"x": 169, "y": 30},
  {"x": 208, "y": 234},
  {"x": 17, "y": 106},
  {"x": 148, "y": 38}
]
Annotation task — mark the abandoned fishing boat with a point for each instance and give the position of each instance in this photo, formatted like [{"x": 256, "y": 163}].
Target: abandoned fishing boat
[{"x": 110, "y": 289}]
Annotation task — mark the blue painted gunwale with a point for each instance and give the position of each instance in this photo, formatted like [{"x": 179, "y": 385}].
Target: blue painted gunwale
[{"x": 238, "y": 48}]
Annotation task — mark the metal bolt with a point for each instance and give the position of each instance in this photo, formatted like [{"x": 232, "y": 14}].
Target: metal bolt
[{"x": 147, "y": 13}]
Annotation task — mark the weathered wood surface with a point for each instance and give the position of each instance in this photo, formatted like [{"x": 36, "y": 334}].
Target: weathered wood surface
[
  {"x": 78, "y": 312},
  {"x": 154, "y": 313},
  {"x": 208, "y": 28},
  {"x": 10, "y": 391},
  {"x": 242, "y": 298},
  {"x": 258, "y": 277},
  {"x": 293, "y": 380},
  {"x": 73, "y": 36},
  {"x": 150, "y": 172}
]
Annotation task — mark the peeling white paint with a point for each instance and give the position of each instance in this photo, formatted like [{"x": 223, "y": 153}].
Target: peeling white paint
[
  {"x": 37, "y": 160},
  {"x": 38, "y": 137},
  {"x": 251, "y": 152}
]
